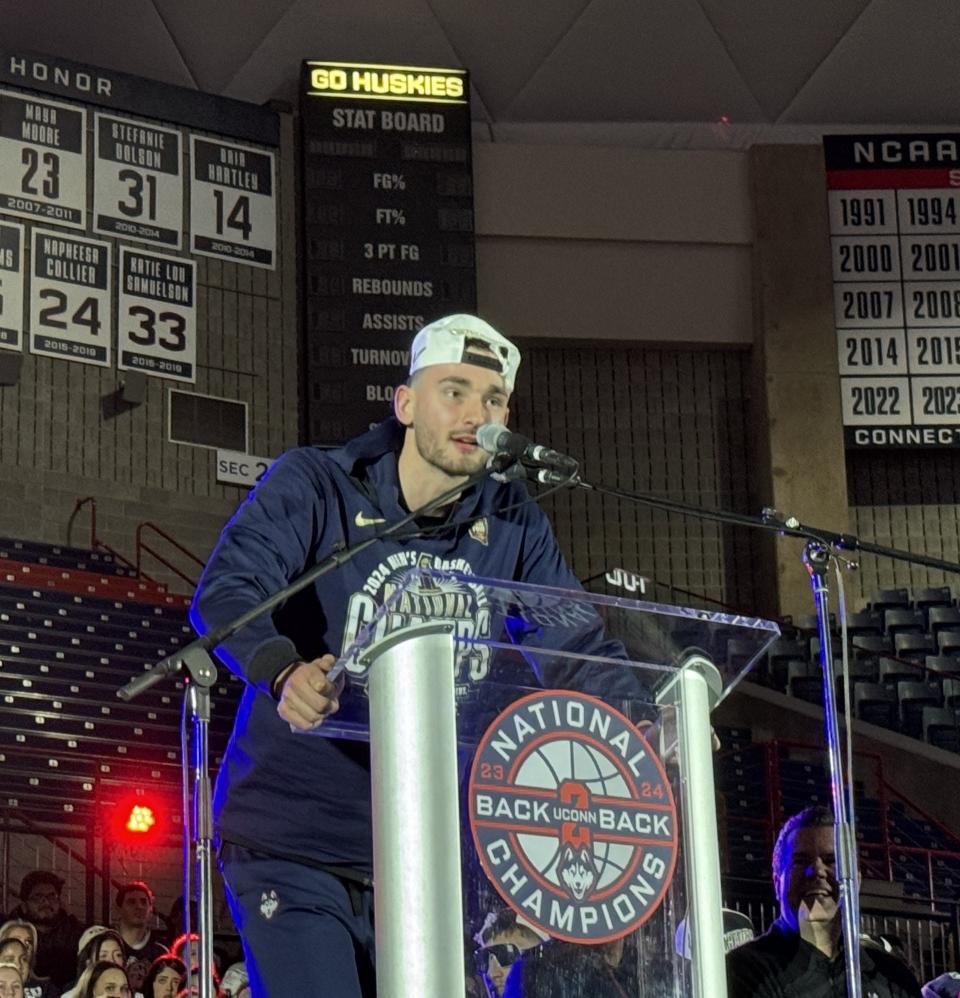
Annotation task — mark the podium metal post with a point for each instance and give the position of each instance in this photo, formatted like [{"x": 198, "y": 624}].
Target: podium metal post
[
  {"x": 693, "y": 690},
  {"x": 416, "y": 814}
]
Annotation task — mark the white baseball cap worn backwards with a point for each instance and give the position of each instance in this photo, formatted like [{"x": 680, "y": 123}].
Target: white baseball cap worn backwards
[
  {"x": 90, "y": 934},
  {"x": 445, "y": 341}
]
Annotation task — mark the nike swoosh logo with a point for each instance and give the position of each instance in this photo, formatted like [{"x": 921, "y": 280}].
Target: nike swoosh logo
[{"x": 367, "y": 521}]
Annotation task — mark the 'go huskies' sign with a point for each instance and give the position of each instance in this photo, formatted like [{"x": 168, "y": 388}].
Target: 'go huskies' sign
[{"x": 573, "y": 817}]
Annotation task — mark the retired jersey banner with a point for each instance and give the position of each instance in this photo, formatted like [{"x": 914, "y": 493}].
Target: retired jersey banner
[
  {"x": 157, "y": 315},
  {"x": 11, "y": 286},
  {"x": 70, "y": 298},
  {"x": 138, "y": 181},
  {"x": 233, "y": 205},
  {"x": 43, "y": 168}
]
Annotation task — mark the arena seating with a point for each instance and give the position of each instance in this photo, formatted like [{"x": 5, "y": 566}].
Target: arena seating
[
  {"x": 760, "y": 783},
  {"x": 943, "y": 618},
  {"x": 56, "y": 556},
  {"x": 74, "y": 626},
  {"x": 875, "y": 704},
  {"x": 864, "y": 622},
  {"x": 940, "y": 728},
  {"x": 904, "y": 660}
]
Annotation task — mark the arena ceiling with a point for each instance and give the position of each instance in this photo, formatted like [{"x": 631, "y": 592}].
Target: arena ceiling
[{"x": 750, "y": 63}]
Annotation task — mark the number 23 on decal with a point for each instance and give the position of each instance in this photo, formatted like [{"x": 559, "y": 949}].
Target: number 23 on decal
[
  {"x": 33, "y": 160},
  {"x": 491, "y": 771}
]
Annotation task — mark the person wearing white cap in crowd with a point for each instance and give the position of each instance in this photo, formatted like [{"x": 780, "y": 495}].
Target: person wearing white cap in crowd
[
  {"x": 98, "y": 944},
  {"x": 293, "y": 813}
]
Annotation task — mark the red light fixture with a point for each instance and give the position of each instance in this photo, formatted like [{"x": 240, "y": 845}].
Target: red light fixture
[{"x": 140, "y": 819}]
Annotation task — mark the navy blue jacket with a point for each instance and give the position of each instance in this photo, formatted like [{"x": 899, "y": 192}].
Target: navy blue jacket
[
  {"x": 309, "y": 797},
  {"x": 779, "y": 964}
]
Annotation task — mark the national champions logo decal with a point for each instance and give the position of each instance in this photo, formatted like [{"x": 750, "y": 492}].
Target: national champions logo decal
[{"x": 572, "y": 817}]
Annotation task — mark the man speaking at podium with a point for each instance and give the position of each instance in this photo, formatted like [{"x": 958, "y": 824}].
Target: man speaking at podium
[{"x": 293, "y": 812}]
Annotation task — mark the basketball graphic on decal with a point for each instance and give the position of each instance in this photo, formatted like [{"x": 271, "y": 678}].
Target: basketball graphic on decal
[{"x": 572, "y": 816}]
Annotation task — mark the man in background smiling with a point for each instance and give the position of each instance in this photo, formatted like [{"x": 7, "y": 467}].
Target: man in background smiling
[{"x": 801, "y": 954}]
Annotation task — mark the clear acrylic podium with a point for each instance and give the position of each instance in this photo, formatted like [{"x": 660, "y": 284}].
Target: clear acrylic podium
[{"x": 510, "y": 770}]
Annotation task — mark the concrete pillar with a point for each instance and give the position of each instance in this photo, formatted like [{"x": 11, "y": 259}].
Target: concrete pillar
[{"x": 796, "y": 389}]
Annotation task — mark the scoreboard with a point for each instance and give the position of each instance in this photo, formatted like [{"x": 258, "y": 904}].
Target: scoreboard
[
  {"x": 110, "y": 187},
  {"x": 894, "y": 207},
  {"x": 387, "y": 230}
]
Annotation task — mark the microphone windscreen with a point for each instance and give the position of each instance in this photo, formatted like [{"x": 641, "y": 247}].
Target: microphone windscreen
[{"x": 490, "y": 437}]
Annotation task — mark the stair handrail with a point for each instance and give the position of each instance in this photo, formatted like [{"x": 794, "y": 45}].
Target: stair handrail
[
  {"x": 96, "y": 544},
  {"x": 144, "y": 547},
  {"x": 80, "y": 503}
]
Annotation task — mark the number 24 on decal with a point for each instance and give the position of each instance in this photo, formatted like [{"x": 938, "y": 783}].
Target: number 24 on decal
[
  {"x": 651, "y": 790},
  {"x": 86, "y": 314}
]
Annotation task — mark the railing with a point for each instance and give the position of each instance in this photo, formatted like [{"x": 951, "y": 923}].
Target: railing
[
  {"x": 144, "y": 548},
  {"x": 928, "y": 854},
  {"x": 925, "y": 939},
  {"x": 80, "y": 503},
  {"x": 96, "y": 544},
  {"x": 771, "y": 752},
  {"x": 87, "y": 862}
]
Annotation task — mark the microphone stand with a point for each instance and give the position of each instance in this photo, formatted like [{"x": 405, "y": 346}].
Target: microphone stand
[
  {"x": 821, "y": 546},
  {"x": 816, "y": 559},
  {"x": 195, "y": 660}
]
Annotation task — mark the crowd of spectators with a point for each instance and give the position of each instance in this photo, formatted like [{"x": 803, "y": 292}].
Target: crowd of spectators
[
  {"x": 799, "y": 956},
  {"x": 46, "y": 952}
]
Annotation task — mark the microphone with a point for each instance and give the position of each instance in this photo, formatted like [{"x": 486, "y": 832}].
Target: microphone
[
  {"x": 495, "y": 438},
  {"x": 547, "y": 477}
]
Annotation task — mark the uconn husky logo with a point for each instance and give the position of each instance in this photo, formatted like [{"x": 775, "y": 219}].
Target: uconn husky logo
[
  {"x": 577, "y": 871},
  {"x": 572, "y": 817}
]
